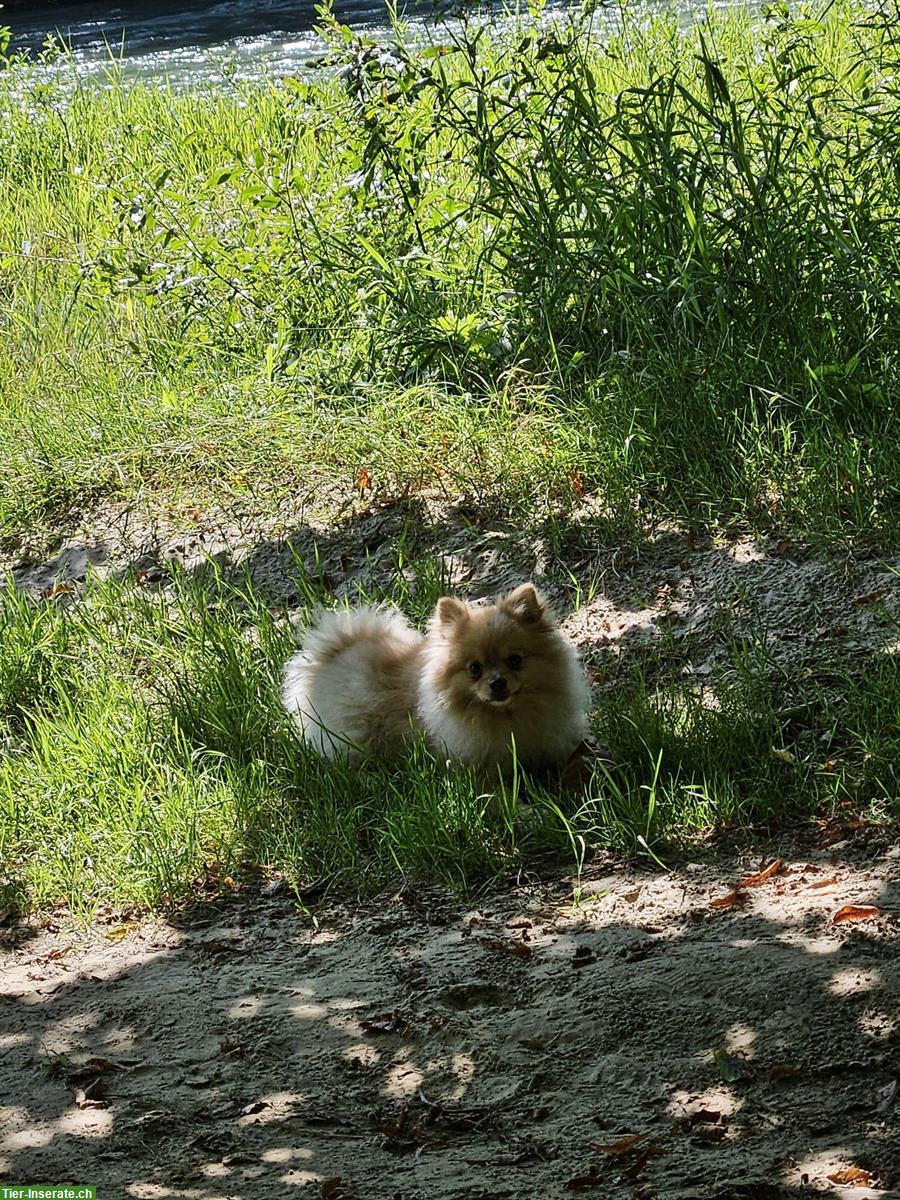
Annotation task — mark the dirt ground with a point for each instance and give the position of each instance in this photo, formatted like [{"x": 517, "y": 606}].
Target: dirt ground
[
  {"x": 616, "y": 601},
  {"x": 622, "y": 1035}
]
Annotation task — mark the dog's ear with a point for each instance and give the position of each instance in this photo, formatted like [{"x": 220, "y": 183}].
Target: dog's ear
[
  {"x": 525, "y": 604},
  {"x": 450, "y": 611}
]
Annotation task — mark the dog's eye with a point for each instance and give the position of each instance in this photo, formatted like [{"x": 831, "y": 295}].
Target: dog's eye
[
  {"x": 514, "y": 662},
  {"x": 475, "y": 670}
]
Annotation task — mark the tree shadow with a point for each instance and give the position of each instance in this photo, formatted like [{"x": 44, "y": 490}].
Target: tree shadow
[
  {"x": 637, "y": 591},
  {"x": 418, "y": 1051}
]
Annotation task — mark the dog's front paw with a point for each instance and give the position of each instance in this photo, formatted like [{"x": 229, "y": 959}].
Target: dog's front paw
[{"x": 583, "y": 761}]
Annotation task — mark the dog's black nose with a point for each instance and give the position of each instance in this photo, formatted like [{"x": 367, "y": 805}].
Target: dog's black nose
[{"x": 498, "y": 687}]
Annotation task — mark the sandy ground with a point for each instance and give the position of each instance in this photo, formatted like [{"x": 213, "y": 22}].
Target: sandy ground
[
  {"x": 624, "y": 1036},
  {"x": 617, "y": 602}
]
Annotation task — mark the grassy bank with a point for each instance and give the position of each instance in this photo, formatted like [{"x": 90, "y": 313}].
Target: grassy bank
[
  {"x": 146, "y": 760},
  {"x": 653, "y": 271},
  {"x": 659, "y": 267}
]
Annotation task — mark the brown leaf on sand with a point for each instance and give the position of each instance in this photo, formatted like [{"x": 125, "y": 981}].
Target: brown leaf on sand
[
  {"x": 731, "y": 900},
  {"x": 851, "y": 1177},
  {"x": 582, "y": 1183},
  {"x": 737, "y": 897},
  {"x": 822, "y": 883},
  {"x": 500, "y": 946},
  {"x": 622, "y": 1146},
  {"x": 855, "y": 912},
  {"x": 643, "y": 1157},
  {"x": 761, "y": 876}
]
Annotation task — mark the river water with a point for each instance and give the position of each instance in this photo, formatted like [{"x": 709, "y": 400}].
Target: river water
[
  {"x": 196, "y": 41},
  {"x": 193, "y": 41}
]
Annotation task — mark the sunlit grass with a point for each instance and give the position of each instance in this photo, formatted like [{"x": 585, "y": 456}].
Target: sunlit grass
[
  {"x": 660, "y": 261},
  {"x": 145, "y": 750}
]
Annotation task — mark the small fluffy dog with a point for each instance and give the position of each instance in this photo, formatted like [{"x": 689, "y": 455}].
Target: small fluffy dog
[{"x": 480, "y": 679}]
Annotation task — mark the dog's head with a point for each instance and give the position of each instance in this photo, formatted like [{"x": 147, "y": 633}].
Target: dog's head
[{"x": 494, "y": 656}]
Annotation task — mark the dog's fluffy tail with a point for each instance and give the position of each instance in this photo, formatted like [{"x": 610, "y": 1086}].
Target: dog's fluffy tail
[
  {"x": 340, "y": 629},
  {"x": 318, "y": 685}
]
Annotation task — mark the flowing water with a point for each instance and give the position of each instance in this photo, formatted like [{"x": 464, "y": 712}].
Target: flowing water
[{"x": 195, "y": 41}]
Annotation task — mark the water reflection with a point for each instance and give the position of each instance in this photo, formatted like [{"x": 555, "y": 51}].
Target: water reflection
[
  {"x": 189, "y": 43},
  {"x": 191, "y": 40}
]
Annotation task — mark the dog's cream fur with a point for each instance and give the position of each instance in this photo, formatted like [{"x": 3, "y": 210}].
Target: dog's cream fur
[{"x": 365, "y": 681}]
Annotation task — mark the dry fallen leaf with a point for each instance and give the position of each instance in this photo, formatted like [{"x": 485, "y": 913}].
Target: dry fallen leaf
[
  {"x": 581, "y": 1183},
  {"x": 517, "y": 949},
  {"x": 117, "y": 932},
  {"x": 761, "y": 876},
  {"x": 389, "y": 1022},
  {"x": 851, "y": 1177},
  {"x": 822, "y": 883},
  {"x": 730, "y": 901},
  {"x": 855, "y": 912},
  {"x": 622, "y": 1146},
  {"x": 643, "y": 1157},
  {"x": 831, "y": 837}
]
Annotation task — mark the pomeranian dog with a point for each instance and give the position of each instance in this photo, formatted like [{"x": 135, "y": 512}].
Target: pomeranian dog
[{"x": 484, "y": 683}]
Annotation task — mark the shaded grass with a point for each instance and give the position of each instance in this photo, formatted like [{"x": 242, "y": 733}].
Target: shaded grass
[{"x": 147, "y": 757}]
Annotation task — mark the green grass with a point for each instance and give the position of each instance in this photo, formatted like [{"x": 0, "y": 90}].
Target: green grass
[
  {"x": 145, "y": 752},
  {"x": 658, "y": 266},
  {"x": 653, "y": 271}
]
